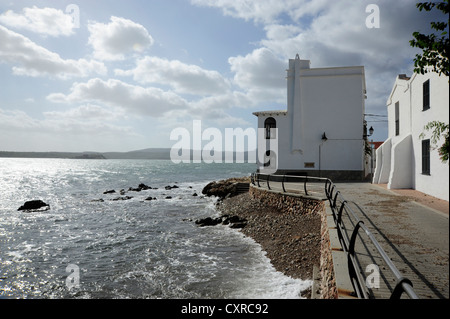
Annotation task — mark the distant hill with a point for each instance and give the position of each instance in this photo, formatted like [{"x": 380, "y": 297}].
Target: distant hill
[
  {"x": 148, "y": 153},
  {"x": 86, "y": 155}
]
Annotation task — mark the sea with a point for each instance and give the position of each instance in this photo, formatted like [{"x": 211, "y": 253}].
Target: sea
[{"x": 89, "y": 245}]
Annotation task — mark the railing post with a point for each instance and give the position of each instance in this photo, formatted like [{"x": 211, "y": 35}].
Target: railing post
[
  {"x": 335, "y": 198},
  {"x": 268, "y": 178},
  {"x": 339, "y": 216},
  {"x": 398, "y": 290},
  {"x": 257, "y": 180},
  {"x": 351, "y": 247},
  {"x": 282, "y": 183},
  {"x": 304, "y": 186}
]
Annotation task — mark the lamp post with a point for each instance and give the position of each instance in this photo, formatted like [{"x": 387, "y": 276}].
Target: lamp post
[
  {"x": 324, "y": 139},
  {"x": 371, "y": 130}
]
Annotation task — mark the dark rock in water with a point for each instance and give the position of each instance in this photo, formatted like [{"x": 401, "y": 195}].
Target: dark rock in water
[
  {"x": 150, "y": 198},
  {"x": 144, "y": 187},
  {"x": 112, "y": 191},
  {"x": 98, "y": 200},
  {"x": 122, "y": 198},
  {"x": 208, "y": 221},
  {"x": 220, "y": 189},
  {"x": 34, "y": 205},
  {"x": 171, "y": 187},
  {"x": 195, "y": 194},
  {"x": 168, "y": 197},
  {"x": 233, "y": 221},
  {"x": 141, "y": 187}
]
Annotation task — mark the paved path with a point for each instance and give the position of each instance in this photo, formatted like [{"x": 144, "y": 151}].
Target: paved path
[
  {"x": 414, "y": 235},
  {"x": 411, "y": 227}
]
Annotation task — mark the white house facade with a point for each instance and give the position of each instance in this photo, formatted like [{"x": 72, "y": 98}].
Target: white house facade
[
  {"x": 407, "y": 159},
  {"x": 322, "y": 131}
]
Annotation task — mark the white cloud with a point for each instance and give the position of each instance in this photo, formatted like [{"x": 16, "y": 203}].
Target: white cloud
[
  {"x": 58, "y": 122},
  {"x": 261, "y": 11},
  {"x": 86, "y": 113},
  {"x": 44, "y": 21},
  {"x": 183, "y": 78},
  {"x": 152, "y": 102},
  {"x": 66, "y": 131},
  {"x": 114, "y": 40},
  {"x": 261, "y": 74},
  {"x": 34, "y": 60}
]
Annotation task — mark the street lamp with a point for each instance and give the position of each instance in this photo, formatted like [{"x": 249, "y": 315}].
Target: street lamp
[{"x": 371, "y": 130}]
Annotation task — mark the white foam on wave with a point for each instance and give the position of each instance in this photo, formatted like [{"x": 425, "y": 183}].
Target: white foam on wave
[{"x": 258, "y": 279}]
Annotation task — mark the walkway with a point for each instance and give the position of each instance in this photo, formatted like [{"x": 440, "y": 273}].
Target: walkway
[
  {"x": 414, "y": 235},
  {"x": 411, "y": 227}
]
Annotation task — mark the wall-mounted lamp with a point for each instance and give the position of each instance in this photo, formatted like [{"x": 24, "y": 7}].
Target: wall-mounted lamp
[
  {"x": 371, "y": 130},
  {"x": 324, "y": 137}
]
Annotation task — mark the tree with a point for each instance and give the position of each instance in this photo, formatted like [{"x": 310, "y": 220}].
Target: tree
[
  {"x": 434, "y": 58},
  {"x": 435, "y": 47}
]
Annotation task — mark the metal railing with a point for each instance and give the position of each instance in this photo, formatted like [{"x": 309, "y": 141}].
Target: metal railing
[{"x": 339, "y": 205}]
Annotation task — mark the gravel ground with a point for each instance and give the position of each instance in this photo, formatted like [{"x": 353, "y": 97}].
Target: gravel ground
[{"x": 291, "y": 241}]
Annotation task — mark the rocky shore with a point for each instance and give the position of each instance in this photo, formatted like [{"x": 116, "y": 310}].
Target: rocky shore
[{"x": 291, "y": 240}]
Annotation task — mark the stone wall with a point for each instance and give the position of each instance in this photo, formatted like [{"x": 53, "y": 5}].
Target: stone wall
[
  {"x": 288, "y": 203},
  {"x": 293, "y": 203},
  {"x": 328, "y": 289}
]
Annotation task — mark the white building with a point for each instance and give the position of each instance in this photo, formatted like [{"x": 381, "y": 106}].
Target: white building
[
  {"x": 407, "y": 160},
  {"x": 322, "y": 131}
]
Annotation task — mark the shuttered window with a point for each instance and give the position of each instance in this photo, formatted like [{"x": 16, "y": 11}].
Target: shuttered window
[
  {"x": 397, "y": 119},
  {"x": 426, "y": 95},
  {"x": 426, "y": 157}
]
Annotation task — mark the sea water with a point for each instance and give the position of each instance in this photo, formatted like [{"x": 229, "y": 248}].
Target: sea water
[{"x": 89, "y": 245}]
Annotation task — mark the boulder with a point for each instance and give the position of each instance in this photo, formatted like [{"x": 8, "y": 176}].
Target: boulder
[
  {"x": 208, "y": 221},
  {"x": 232, "y": 221},
  {"x": 122, "y": 198},
  {"x": 34, "y": 205},
  {"x": 171, "y": 187},
  {"x": 112, "y": 191},
  {"x": 220, "y": 189},
  {"x": 143, "y": 186}
]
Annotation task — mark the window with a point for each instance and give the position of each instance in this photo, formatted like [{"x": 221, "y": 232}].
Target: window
[
  {"x": 270, "y": 124},
  {"x": 426, "y": 157},
  {"x": 397, "y": 119},
  {"x": 426, "y": 95}
]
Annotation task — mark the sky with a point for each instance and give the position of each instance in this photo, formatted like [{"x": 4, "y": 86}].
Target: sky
[{"x": 110, "y": 75}]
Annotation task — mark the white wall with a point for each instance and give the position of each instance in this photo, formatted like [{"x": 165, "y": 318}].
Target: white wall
[
  {"x": 329, "y": 100},
  {"x": 437, "y": 183},
  {"x": 402, "y": 154}
]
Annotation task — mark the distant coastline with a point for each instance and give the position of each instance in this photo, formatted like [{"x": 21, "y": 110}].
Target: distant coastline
[{"x": 150, "y": 153}]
